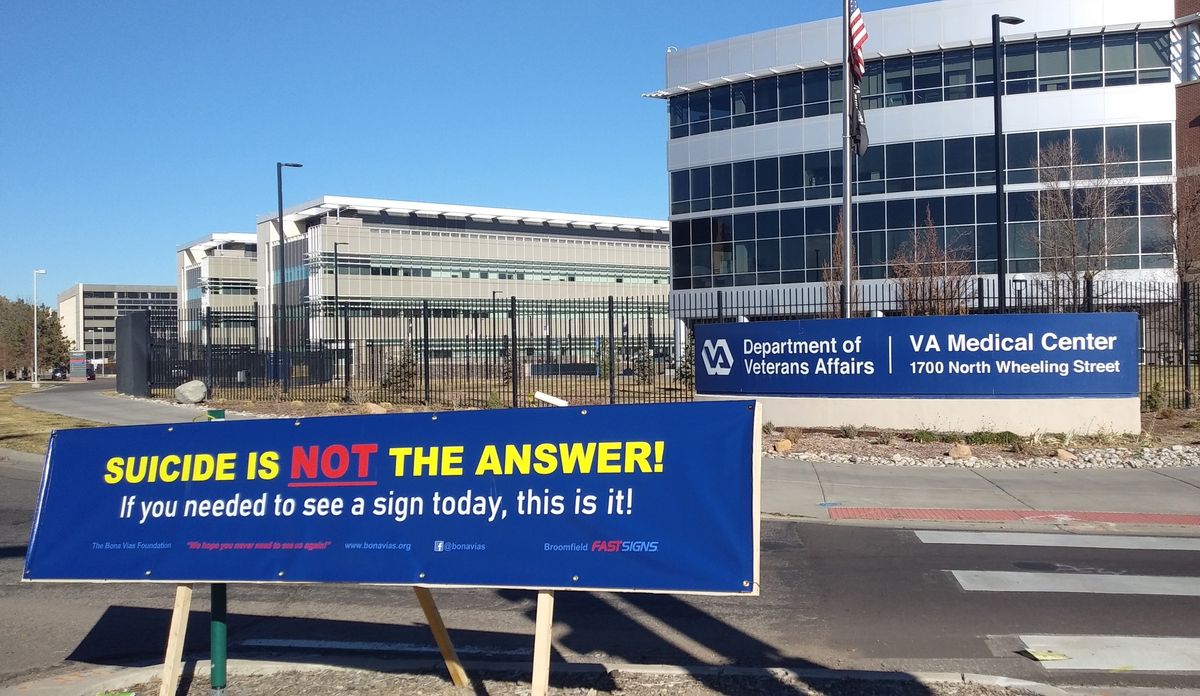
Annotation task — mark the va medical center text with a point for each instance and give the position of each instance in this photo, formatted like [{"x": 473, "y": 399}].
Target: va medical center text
[{"x": 941, "y": 352}]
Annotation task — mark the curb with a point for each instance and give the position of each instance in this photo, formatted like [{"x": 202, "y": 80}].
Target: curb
[{"x": 97, "y": 680}]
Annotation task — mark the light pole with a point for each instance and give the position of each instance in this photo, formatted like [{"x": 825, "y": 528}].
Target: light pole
[
  {"x": 337, "y": 303},
  {"x": 281, "y": 296},
  {"x": 36, "y": 273},
  {"x": 998, "y": 86}
]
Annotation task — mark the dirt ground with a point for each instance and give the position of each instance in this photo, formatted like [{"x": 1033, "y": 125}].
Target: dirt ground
[{"x": 1163, "y": 428}]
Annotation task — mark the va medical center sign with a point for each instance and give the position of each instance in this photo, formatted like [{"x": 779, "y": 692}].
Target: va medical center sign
[
  {"x": 1027, "y": 355},
  {"x": 644, "y": 497}
]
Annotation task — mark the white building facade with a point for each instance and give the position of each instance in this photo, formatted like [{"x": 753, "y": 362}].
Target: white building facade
[
  {"x": 755, "y": 138},
  {"x": 390, "y": 251},
  {"x": 218, "y": 281}
]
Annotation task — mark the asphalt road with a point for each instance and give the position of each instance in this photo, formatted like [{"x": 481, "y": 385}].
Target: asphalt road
[
  {"x": 85, "y": 400},
  {"x": 834, "y": 596}
]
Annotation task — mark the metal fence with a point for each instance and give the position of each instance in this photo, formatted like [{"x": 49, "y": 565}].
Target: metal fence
[
  {"x": 445, "y": 353},
  {"x": 497, "y": 353}
]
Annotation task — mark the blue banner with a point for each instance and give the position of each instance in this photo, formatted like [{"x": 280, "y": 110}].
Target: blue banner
[
  {"x": 645, "y": 497},
  {"x": 1008, "y": 355}
]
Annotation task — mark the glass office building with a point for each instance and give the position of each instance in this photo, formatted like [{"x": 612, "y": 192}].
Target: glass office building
[{"x": 755, "y": 134}]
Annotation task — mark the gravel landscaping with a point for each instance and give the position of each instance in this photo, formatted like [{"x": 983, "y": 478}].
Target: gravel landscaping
[{"x": 368, "y": 683}]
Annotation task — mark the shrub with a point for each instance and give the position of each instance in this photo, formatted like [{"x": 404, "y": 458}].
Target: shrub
[
  {"x": 924, "y": 436},
  {"x": 849, "y": 432},
  {"x": 1155, "y": 399}
]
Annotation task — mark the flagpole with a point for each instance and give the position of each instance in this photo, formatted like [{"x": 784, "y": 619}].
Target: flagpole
[{"x": 847, "y": 174}]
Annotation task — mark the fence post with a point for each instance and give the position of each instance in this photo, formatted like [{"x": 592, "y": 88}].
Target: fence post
[
  {"x": 842, "y": 299},
  {"x": 512, "y": 354},
  {"x": 720, "y": 305},
  {"x": 612, "y": 352},
  {"x": 1186, "y": 306},
  {"x": 979, "y": 290},
  {"x": 208, "y": 362},
  {"x": 425, "y": 347},
  {"x": 1089, "y": 289}
]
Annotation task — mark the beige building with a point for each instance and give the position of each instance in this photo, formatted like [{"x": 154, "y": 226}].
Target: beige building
[
  {"x": 391, "y": 250},
  {"x": 88, "y": 313},
  {"x": 218, "y": 280}
]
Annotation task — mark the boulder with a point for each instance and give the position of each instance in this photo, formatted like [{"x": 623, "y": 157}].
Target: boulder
[
  {"x": 960, "y": 451},
  {"x": 192, "y": 392},
  {"x": 783, "y": 446},
  {"x": 1065, "y": 455},
  {"x": 373, "y": 408}
]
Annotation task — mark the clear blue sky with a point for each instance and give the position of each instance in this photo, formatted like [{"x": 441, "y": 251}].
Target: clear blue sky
[{"x": 129, "y": 128}]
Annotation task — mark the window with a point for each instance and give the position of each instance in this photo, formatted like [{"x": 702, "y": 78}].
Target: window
[
  {"x": 898, "y": 81},
  {"x": 1085, "y": 62},
  {"x": 791, "y": 222},
  {"x": 719, "y": 107},
  {"x": 722, "y": 185},
  {"x": 927, "y": 78},
  {"x": 872, "y": 85},
  {"x": 767, "y": 224},
  {"x": 1121, "y": 142},
  {"x": 1020, "y": 64},
  {"x": 958, "y": 75},
  {"x": 766, "y": 100},
  {"x": 791, "y": 172},
  {"x": 816, "y": 92},
  {"x": 743, "y": 104},
  {"x": 791, "y": 96},
  {"x": 1053, "y": 65}
]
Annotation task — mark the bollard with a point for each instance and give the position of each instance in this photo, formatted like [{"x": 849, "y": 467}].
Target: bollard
[{"x": 218, "y": 637}]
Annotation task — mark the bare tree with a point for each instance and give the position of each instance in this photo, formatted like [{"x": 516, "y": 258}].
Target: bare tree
[
  {"x": 1181, "y": 203},
  {"x": 1075, "y": 207},
  {"x": 831, "y": 275},
  {"x": 932, "y": 277}
]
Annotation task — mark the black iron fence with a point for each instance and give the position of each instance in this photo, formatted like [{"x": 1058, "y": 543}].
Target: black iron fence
[
  {"x": 498, "y": 352},
  {"x": 446, "y": 353}
]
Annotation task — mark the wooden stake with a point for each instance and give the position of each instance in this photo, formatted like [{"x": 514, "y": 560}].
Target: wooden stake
[
  {"x": 173, "y": 661},
  {"x": 458, "y": 675},
  {"x": 541, "y": 643}
]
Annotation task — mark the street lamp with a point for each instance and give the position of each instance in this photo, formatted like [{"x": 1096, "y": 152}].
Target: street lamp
[
  {"x": 36, "y": 273},
  {"x": 998, "y": 86},
  {"x": 281, "y": 296},
  {"x": 337, "y": 303}
]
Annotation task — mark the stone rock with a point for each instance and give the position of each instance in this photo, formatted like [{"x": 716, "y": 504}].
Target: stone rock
[
  {"x": 192, "y": 392},
  {"x": 783, "y": 446},
  {"x": 960, "y": 451},
  {"x": 1065, "y": 455},
  {"x": 373, "y": 408}
]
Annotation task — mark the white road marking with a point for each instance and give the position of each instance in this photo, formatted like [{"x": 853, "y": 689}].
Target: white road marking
[
  {"x": 1014, "y": 581},
  {"x": 368, "y": 646},
  {"x": 1119, "y": 653},
  {"x": 1088, "y": 541}
]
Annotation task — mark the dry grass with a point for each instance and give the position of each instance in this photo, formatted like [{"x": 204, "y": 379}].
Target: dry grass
[{"x": 27, "y": 430}]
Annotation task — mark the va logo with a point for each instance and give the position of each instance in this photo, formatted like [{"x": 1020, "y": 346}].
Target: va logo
[{"x": 718, "y": 359}]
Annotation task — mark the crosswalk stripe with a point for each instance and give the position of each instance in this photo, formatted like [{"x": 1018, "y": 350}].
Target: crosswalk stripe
[
  {"x": 1089, "y": 541},
  {"x": 1014, "y": 581},
  {"x": 1119, "y": 653}
]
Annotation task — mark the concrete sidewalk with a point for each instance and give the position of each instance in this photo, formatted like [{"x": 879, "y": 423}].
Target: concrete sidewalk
[
  {"x": 826, "y": 490},
  {"x": 838, "y": 491}
]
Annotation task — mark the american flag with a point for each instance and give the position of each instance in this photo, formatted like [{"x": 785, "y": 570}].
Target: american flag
[{"x": 858, "y": 37}]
